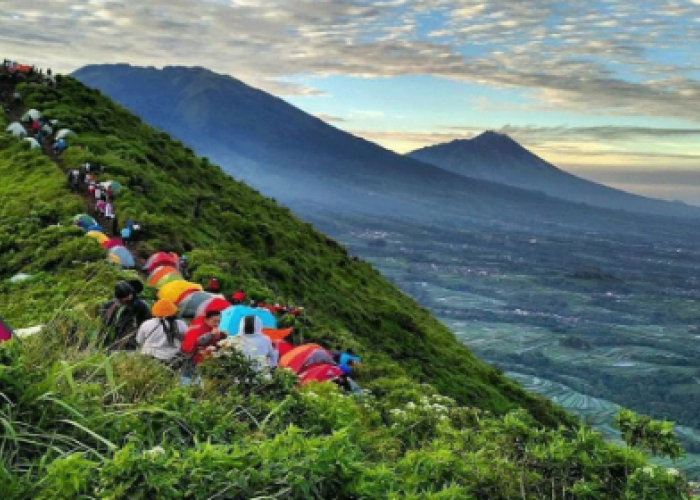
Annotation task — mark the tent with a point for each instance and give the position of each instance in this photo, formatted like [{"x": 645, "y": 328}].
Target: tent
[
  {"x": 282, "y": 346},
  {"x": 171, "y": 291},
  {"x": 276, "y": 335},
  {"x": 160, "y": 259},
  {"x": 113, "y": 185},
  {"x": 84, "y": 220},
  {"x": 214, "y": 304},
  {"x": 123, "y": 255},
  {"x": 302, "y": 357},
  {"x": 188, "y": 306},
  {"x": 170, "y": 278},
  {"x": 16, "y": 129},
  {"x": 6, "y": 333},
  {"x": 184, "y": 295},
  {"x": 95, "y": 227},
  {"x": 320, "y": 373},
  {"x": 31, "y": 116},
  {"x": 231, "y": 318},
  {"x": 34, "y": 144},
  {"x": 100, "y": 237},
  {"x": 160, "y": 273},
  {"x": 64, "y": 133},
  {"x": 114, "y": 242}
]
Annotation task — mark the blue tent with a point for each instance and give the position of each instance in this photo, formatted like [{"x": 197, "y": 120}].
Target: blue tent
[
  {"x": 95, "y": 227},
  {"x": 231, "y": 318},
  {"x": 124, "y": 256}
]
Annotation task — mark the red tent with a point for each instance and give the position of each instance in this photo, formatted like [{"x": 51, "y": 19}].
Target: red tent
[
  {"x": 303, "y": 357},
  {"x": 114, "y": 242},
  {"x": 282, "y": 346},
  {"x": 320, "y": 373},
  {"x": 160, "y": 259},
  {"x": 6, "y": 332}
]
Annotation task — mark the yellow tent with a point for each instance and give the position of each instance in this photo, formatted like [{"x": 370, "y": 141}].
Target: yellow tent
[
  {"x": 174, "y": 289},
  {"x": 100, "y": 237}
]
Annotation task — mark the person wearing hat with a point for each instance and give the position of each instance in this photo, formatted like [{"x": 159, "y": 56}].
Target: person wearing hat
[
  {"x": 161, "y": 336},
  {"x": 238, "y": 297},
  {"x": 122, "y": 316}
]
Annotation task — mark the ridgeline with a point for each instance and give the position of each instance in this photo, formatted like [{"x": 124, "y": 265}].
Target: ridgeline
[{"x": 81, "y": 423}]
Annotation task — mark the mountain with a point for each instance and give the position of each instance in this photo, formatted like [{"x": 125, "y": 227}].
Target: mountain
[
  {"x": 80, "y": 421},
  {"x": 497, "y": 157},
  {"x": 301, "y": 160}
]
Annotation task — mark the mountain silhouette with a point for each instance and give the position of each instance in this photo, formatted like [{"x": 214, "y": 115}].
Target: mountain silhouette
[{"x": 498, "y": 158}]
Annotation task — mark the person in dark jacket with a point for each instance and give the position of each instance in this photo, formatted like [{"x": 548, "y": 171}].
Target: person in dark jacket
[{"x": 122, "y": 316}]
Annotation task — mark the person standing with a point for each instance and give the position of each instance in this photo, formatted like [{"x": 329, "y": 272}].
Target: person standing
[{"x": 255, "y": 345}]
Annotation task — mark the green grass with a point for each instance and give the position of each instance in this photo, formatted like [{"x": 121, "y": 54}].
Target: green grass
[{"x": 78, "y": 423}]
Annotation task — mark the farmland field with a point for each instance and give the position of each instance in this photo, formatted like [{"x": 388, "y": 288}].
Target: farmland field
[{"x": 589, "y": 320}]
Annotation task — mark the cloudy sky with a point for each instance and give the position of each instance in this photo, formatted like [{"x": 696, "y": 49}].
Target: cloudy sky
[{"x": 607, "y": 89}]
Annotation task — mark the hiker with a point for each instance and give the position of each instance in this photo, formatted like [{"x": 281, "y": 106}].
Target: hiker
[
  {"x": 126, "y": 233},
  {"x": 161, "y": 336},
  {"x": 100, "y": 207},
  {"x": 238, "y": 297},
  {"x": 255, "y": 345},
  {"x": 184, "y": 267},
  {"x": 109, "y": 210},
  {"x": 98, "y": 191},
  {"x": 122, "y": 316},
  {"x": 36, "y": 127},
  {"x": 345, "y": 360},
  {"x": 198, "y": 339},
  {"x": 71, "y": 179},
  {"x": 60, "y": 146},
  {"x": 115, "y": 225},
  {"x": 213, "y": 286}
]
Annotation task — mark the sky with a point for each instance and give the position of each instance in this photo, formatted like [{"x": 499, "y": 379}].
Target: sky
[{"x": 606, "y": 89}]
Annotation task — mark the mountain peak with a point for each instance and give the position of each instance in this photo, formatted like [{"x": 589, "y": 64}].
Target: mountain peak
[{"x": 492, "y": 138}]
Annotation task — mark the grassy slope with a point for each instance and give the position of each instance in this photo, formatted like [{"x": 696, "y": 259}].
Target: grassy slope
[{"x": 244, "y": 238}]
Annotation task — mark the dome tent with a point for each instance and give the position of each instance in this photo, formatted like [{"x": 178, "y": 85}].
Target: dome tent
[
  {"x": 16, "y": 129},
  {"x": 231, "y": 318},
  {"x": 31, "y": 116},
  {"x": 34, "y": 144},
  {"x": 65, "y": 133},
  {"x": 188, "y": 306},
  {"x": 123, "y": 256},
  {"x": 174, "y": 289},
  {"x": 160, "y": 273}
]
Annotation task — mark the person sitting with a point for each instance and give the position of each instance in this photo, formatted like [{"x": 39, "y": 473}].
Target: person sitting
[
  {"x": 255, "y": 345},
  {"x": 213, "y": 286},
  {"x": 122, "y": 316},
  {"x": 346, "y": 360},
  {"x": 204, "y": 335},
  {"x": 183, "y": 266},
  {"x": 161, "y": 336}
]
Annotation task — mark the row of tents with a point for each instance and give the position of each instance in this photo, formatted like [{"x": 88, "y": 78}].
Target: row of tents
[
  {"x": 310, "y": 362},
  {"x": 116, "y": 251}
]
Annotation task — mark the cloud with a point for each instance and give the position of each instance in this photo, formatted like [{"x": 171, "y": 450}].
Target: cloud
[{"x": 602, "y": 56}]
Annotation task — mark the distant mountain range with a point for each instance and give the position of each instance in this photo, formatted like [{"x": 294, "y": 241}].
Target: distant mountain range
[
  {"x": 498, "y": 158},
  {"x": 299, "y": 159}
]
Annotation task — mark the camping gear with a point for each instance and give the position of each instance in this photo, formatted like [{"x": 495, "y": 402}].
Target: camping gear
[
  {"x": 160, "y": 259},
  {"x": 276, "y": 335},
  {"x": 33, "y": 143},
  {"x": 169, "y": 278},
  {"x": 231, "y": 318},
  {"x": 295, "y": 358},
  {"x": 84, "y": 221},
  {"x": 125, "y": 259},
  {"x": 31, "y": 116},
  {"x": 113, "y": 185},
  {"x": 282, "y": 346},
  {"x": 100, "y": 237},
  {"x": 64, "y": 133},
  {"x": 188, "y": 306},
  {"x": 16, "y": 129},
  {"x": 174, "y": 289},
  {"x": 114, "y": 242},
  {"x": 184, "y": 295},
  {"x": 6, "y": 332},
  {"x": 320, "y": 373},
  {"x": 159, "y": 273},
  {"x": 95, "y": 227},
  {"x": 215, "y": 304}
]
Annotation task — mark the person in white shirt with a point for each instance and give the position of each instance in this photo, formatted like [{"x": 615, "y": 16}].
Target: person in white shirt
[
  {"x": 161, "y": 336},
  {"x": 255, "y": 345}
]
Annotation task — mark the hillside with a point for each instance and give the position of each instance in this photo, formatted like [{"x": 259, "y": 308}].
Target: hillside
[
  {"x": 299, "y": 159},
  {"x": 498, "y": 158},
  {"x": 81, "y": 422}
]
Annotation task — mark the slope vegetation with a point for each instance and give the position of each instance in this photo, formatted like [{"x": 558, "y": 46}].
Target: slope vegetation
[{"x": 80, "y": 422}]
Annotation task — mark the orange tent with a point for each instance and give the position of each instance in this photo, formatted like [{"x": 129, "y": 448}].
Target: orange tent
[
  {"x": 276, "y": 335},
  {"x": 295, "y": 358}
]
